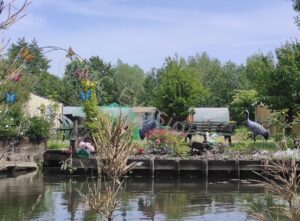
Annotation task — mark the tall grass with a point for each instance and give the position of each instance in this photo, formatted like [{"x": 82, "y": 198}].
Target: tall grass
[
  {"x": 113, "y": 144},
  {"x": 281, "y": 180}
]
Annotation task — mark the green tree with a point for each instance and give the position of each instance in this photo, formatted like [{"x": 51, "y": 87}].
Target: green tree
[
  {"x": 129, "y": 83},
  {"x": 296, "y": 6},
  {"x": 49, "y": 86},
  {"x": 102, "y": 74},
  {"x": 179, "y": 89},
  {"x": 70, "y": 92},
  {"x": 243, "y": 100},
  {"x": 257, "y": 67},
  {"x": 99, "y": 71},
  {"x": 219, "y": 80},
  {"x": 38, "y": 65},
  {"x": 151, "y": 84},
  {"x": 282, "y": 85}
]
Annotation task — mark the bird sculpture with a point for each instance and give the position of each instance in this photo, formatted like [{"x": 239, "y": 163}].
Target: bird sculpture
[
  {"x": 256, "y": 128},
  {"x": 147, "y": 127}
]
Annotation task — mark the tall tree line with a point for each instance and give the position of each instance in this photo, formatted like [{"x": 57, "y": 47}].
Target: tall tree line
[{"x": 180, "y": 83}]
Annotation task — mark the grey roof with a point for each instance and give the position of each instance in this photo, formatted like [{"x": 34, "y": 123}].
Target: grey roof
[{"x": 113, "y": 111}]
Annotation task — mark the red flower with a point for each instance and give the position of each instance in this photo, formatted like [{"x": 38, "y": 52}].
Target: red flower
[{"x": 140, "y": 151}]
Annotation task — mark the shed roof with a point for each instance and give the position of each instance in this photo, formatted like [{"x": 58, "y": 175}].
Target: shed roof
[
  {"x": 111, "y": 110},
  {"x": 144, "y": 109}
]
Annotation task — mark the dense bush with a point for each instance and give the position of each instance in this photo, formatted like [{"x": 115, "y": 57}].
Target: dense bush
[
  {"x": 38, "y": 128},
  {"x": 11, "y": 123},
  {"x": 58, "y": 144},
  {"x": 168, "y": 142}
]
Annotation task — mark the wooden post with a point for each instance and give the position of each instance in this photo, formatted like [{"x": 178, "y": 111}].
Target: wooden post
[{"x": 152, "y": 167}]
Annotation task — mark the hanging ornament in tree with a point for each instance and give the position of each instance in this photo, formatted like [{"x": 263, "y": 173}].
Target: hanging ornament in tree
[
  {"x": 15, "y": 76},
  {"x": 85, "y": 96},
  {"x": 26, "y": 55},
  {"x": 82, "y": 74},
  {"x": 70, "y": 54},
  {"x": 10, "y": 98}
]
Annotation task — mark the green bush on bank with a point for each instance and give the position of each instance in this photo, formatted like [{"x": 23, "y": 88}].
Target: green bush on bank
[
  {"x": 54, "y": 144},
  {"x": 250, "y": 146}
]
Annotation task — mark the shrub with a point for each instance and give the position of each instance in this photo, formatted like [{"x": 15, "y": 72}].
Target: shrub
[
  {"x": 168, "y": 141},
  {"x": 138, "y": 147},
  {"x": 11, "y": 123},
  {"x": 58, "y": 144},
  {"x": 38, "y": 129},
  {"x": 8, "y": 127},
  {"x": 242, "y": 133},
  {"x": 249, "y": 146}
]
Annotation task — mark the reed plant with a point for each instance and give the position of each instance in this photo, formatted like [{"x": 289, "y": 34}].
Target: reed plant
[
  {"x": 113, "y": 142},
  {"x": 281, "y": 179}
]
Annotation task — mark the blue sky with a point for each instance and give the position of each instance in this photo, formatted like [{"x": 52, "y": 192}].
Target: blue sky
[{"x": 145, "y": 32}]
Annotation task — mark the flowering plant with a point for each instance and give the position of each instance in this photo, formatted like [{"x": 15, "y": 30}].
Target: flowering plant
[
  {"x": 137, "y": 148},
  {"x": 168, "y": 142}
]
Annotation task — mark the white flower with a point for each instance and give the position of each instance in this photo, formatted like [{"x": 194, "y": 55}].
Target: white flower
[{"x": 6, "y": 126}]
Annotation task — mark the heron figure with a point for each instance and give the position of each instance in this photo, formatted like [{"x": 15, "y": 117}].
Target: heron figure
[
  {"x": 147, "y": 127},
  {"x": 256, "y": 128}
]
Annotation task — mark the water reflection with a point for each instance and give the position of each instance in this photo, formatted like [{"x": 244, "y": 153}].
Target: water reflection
[{"x": 143, "y": 200}]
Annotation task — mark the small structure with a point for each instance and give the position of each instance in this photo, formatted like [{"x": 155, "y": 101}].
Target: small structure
[
  {"x": 145, "y": 114},
  {"x": 32, "y": 108},
  {"x": 201, "y": 121}
]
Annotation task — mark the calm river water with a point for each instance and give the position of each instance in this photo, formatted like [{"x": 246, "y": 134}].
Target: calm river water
[{"x": 144, "y": 199}]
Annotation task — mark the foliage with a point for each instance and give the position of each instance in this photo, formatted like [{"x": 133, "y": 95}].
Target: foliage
[
  {"x": 138, "y": 147},
  {"x": 249, "y": 146},
  {"x": 54, "y": 144},
  {"x": 243, "y": 100},
  {"x": 296, "y": 6},
  {"x": 151, "y": 84},
  {"x": 282, "y": 85},
  {"x": 90, "y": 107},
  {"x": 179, "y": 89},
  {"x": 242, "y": 133},
  {"x": 129, "y": 83},
  {"x": 12, "y": 122},
  {"x": 38, "y": 65},
  {"x": 100, "y": 72},
  {"x": 219, "y": 80},
  {"x": 8, "y": 127},
  {"x": 38, "y": 128},
  {"x": 49, "y": 112},
  {"x": 113, "y": 143},
  {"x": 168, "y": 142},
  {"x": 281, "y": 179},
  {"x": 67, "y": 165},
  {"x": 257, "y": 66},
  {"x": 49, "y": 86}
]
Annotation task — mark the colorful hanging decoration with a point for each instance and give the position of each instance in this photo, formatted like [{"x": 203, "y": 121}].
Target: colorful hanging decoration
[
  {"x": 85, "y": 96},
  {"x": 15, "y": 76},
  {"x": 10, "y": 98},
  {"x": 70, "y": 53},
  {"x": 82, "y": 74},
  {"x": 27, "y": 57}
]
